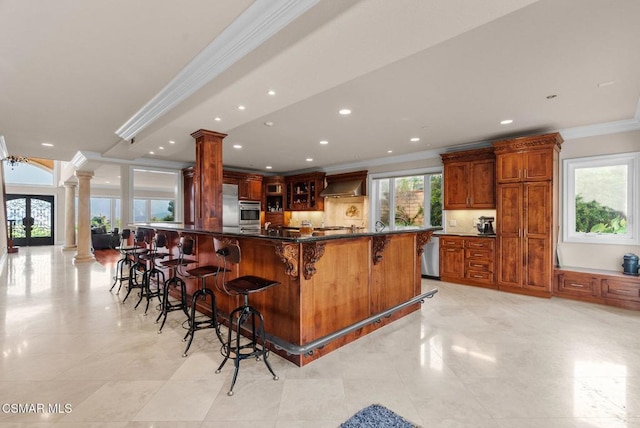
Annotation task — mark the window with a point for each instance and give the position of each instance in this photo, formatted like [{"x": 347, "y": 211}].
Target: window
[
  {"x": 105, "y": 212},
  {"x": 28, "y": 174},
  {"x": 399, "y": 201},
  {"x": 601, "y": 199},
  {"x": 153, "y": 210}
]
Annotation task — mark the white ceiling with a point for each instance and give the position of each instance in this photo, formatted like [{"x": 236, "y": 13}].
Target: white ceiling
[{"x": 72, "y": 73}]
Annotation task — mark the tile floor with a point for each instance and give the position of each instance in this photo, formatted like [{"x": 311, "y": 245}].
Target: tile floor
[{"x": 470, "y": 358}]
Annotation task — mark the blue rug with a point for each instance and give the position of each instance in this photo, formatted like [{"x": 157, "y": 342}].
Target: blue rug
[{"x": 376, "y": 416}]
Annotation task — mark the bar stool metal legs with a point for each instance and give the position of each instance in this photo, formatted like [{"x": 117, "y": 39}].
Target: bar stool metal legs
[
  {"x": 253, "y": 347},
  {"x": 166, "y": 305},
  {"x": 205, "y": 322}
]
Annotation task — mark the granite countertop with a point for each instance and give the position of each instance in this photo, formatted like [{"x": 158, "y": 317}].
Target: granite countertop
[
  {"x": 475, "y": 235},
  {"x": 286, "y": 233}
]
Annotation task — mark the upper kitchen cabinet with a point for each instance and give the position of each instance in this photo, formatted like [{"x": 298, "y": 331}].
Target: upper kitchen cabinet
[
  {"x": 469, "y": 179},
  {"x": 303, "y": 192},
  {"x": 249, "y": 185},
  {"x": 526, "y": 159},
  {"x": 273, "y": 203}
]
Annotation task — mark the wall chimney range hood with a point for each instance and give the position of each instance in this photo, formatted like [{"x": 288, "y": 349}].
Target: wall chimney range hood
[{"x": 343, "y": 189}]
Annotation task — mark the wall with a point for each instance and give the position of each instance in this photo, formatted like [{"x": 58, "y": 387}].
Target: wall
[
  {"x": 596, "y": 256},
  {"x": 3, "y": 222}
]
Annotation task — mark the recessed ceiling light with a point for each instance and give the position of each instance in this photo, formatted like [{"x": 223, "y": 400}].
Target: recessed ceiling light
[
  {"x": 152, "y": 153},
  {"x": 271, "y": 92},
  {"x": 414, "y": 139},
  {"x": 345, "y": 111},
  {"x": 47, "y": 144},
  {"x": 506, "y": 121},
  {"x": 309, "y": 159},
  {"x": 171, "y": 142},
  {"x": 389, "y": 151},
  {"x": 324, "y": 142},
  {"x": 241, "y": 107},
  {"x": 217, "y": 119},
  {"x": 269, "y": 124},
  {"x": 107, "y": 182},
  {"x": 268, "y": 167},
  {"x": 161, "y": 148},
  {"x": 237, "y": 146},
  {"x": 608, "y": 83}
]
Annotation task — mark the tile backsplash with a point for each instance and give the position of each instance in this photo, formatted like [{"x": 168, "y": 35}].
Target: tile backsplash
[{"x": 464, "y": 221}]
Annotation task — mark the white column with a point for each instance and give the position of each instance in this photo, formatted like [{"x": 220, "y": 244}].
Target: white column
[
  {"x": 69, "y": 217},
  {"x": 125, "y": 197},
  {"x": 84, "y": 253}
]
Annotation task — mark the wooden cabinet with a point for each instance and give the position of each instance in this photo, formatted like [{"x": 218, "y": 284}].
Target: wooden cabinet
[
  {"x": 303, "y": 192},
  {"x": 526, "y": 213},
  {"x": 451, "y": 258},
  {"x": 598, "y": 286},
  {"x": 469, "y": 179},
  {"x": 467, "y": 260},
  {"x": 188, "y": 192},
  {"x": 274, "y": 199},
  {"x": 249, "y": 185}
]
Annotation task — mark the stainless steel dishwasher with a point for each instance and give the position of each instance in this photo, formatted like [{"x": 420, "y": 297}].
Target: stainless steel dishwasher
[{"x": 430, "y": 262}]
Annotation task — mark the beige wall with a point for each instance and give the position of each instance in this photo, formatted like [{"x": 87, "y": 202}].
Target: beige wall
[{"x": 596, "y": 256}]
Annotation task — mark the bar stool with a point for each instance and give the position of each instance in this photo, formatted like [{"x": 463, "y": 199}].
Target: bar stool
[
  {"x": 255, "y": 345},
  {"x": 185, "y": 249},
  {"x": 126, "y": 256},
  {"x": 152, "y": 272},
  {"x": 203, "y": 322},
  {"x": 137, "y": 264}
]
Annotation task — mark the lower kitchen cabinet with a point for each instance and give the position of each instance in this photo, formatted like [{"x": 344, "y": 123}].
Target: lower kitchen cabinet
[
  {"x": 598, "y": 286},
  {"x": 468, "y": 260}
]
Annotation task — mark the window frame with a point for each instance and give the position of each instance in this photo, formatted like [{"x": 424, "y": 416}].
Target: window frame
[
  {"x": 632, "y": 161},
  {"x": 374, "y": 202}
]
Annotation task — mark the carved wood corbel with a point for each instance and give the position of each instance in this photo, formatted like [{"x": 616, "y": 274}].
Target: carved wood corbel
[
  {"x": 421, "y": 239},
  {"x": 379, "y": 244},
  {"x": 311, "y": 253},
  {"x": 289, "y": 254}
]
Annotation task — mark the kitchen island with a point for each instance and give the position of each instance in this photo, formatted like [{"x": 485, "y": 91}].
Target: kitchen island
[{"x": 335, "y": 285}]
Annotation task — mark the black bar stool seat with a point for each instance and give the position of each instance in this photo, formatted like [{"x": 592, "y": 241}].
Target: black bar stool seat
[{"x": 254, "y": 346}]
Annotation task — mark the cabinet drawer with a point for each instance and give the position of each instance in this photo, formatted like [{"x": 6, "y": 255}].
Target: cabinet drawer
[
  {"x": 451, "y": 242},
  {"x": 576, "y": 284},
  {"x": 479, "y": 265},
  {"x": 620, "y": 289},
  {"x": 480, "y": 276},
  {"x": 479, "y": 254},
  {"x": 479, "y": 244}
]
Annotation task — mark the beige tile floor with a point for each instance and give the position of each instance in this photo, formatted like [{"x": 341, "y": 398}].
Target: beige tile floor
[{"x": 470, "y": 358}]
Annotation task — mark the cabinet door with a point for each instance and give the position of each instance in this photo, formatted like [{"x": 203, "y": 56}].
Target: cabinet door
[
  {"x": 509, "y": 240},
  {"x": 509, "y": 167},
  {"x": 538, "y": 165},
  {"x": 537, "y": 236},
  {"x": 482, "y": 184},
  {"x": 455, "y": 186},
  {"x": 451, "y": 262}
]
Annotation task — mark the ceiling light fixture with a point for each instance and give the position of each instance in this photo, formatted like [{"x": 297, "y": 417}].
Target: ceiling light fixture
[
  {"x": 324, "y": 142},
  {"x": 171, "y": 142},
  {"x": 152, "y": 153},
  {"x": 506, "y": 121},
  {"x": 271, "y": 92},
  {"x": 389, "y": 151},
  {"x": 268, "y": 167},
  {"x": 14, "y": 161},
  {"x": 47, "y": 144},
  {"x": 309, "y": 159},
  {"x": 217, "y": 119},
  {"x": 345, "y": 112},
  {"x": 237, "y": 146},
  {"x": 269, "y": 124},
  {"x": 161, "y": 148},
  {"x": 608, "y": 83},
  {"x": 414, "y": 139},
  {"x": 241, "y": 107}
]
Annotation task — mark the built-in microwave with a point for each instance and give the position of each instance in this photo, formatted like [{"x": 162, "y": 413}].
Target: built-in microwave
[{"x": 249, "y": 213}]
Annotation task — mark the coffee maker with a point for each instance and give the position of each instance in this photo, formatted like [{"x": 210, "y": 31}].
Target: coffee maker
[{"x": 485, "y": 225}]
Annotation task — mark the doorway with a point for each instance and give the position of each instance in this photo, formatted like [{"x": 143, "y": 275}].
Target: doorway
[{"x": 31, "y": 219}]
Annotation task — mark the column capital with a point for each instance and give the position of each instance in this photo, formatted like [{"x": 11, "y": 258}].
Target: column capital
[
  {"x": 83, "y": 174},
  {"x": 70, "y": 184}
]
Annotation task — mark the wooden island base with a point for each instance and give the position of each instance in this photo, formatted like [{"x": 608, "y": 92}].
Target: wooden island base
[{"x": 328, "y": 282}]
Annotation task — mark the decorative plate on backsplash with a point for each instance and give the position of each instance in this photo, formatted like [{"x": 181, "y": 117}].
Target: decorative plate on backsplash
[{"x": 353, "y": 212}]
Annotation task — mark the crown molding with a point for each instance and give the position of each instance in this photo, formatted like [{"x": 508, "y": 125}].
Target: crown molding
[{"x": 254, "y": 26}]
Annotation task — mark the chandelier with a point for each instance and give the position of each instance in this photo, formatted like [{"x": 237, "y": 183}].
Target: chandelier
[{"x": 14, "y": 161}]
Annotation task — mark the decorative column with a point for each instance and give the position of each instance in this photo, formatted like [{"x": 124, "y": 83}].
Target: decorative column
[
  {"x": 207, "y": 180},
  {"x": 84, "y": 253},
  {"x": 69, "y": 217}
]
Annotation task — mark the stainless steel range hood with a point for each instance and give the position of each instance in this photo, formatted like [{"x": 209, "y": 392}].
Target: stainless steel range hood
[{"x": 343, "y": 189}]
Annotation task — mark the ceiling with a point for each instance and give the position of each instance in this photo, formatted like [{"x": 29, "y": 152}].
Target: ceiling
[{"x": 446, "y": 72}]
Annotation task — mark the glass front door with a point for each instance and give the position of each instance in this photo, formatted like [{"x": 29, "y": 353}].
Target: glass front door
[{"x": 30, "y": 219}]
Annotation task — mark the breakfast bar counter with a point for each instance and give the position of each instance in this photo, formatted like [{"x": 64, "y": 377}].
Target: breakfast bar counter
[{"x": 332, "y": 283}]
